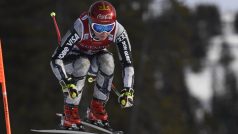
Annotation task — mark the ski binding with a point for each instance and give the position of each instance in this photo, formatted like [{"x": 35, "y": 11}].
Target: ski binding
[{"x": 94, "y": 126}]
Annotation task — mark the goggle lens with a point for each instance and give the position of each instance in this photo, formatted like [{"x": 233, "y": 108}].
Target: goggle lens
[{"x": 103, "y": 27}]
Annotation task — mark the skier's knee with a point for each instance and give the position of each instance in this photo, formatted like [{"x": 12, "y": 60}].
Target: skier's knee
[{"x": 81, "y": 67}]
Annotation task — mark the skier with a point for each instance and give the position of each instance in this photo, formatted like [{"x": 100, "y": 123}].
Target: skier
[{"x": 83, "y": 51}]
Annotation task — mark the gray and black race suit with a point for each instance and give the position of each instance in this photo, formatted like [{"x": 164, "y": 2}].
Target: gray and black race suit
[{"x": 69, "y": 60}]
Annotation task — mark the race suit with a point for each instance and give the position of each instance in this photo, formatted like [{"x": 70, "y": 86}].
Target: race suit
[{"x": 81, "y": 53}]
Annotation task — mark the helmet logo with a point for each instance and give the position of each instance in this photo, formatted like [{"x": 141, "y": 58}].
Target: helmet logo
[
  {"x": 104, "y": 17},
  {"x": 104, "y": 7}
]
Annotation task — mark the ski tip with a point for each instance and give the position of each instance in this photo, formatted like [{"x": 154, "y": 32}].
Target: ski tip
[
  {"x": 59, "y": 114},
  {"x": 118, "y": 132},
  {"x": 34, "y": 130}
]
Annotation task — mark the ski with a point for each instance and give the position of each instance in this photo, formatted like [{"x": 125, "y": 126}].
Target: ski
[
  {"x": 101, "y": 129},
  {"x": 57, "y": 131}
]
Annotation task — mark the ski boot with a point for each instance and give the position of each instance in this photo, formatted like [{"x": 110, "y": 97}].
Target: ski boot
[
  {"x": 97, "y": 115},
  {"x": 71, "y": 119}
]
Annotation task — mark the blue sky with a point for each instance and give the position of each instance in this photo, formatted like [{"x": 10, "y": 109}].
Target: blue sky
[{"x": 224, "y": 5}]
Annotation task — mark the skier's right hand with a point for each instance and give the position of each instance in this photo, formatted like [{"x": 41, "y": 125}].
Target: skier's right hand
[{"x": 69, "y": 87}]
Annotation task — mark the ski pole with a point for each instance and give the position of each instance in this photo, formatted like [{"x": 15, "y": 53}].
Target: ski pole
[{"x": 53, "y": 14}]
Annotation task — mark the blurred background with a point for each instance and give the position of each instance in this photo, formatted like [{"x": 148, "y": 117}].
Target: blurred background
[{"x": 185, "y": 57}]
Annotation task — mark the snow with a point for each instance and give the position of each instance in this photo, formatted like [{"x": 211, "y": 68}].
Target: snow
[{"x": 200, "y": 85}]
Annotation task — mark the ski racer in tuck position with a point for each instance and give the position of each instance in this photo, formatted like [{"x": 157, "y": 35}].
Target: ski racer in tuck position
[{"x": 82, "y": 51}]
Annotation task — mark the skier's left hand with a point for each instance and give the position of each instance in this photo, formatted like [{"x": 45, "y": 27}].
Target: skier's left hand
[{"x": 126, "y": 98}]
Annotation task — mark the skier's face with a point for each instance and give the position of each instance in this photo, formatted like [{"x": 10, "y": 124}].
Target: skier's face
[{"x": 101, "y": 36}]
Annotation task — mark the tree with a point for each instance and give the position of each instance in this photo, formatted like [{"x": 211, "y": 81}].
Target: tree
[
  {"x": 225, "y": 99},
  {"x": 236, "y": 23},
  {"x": 207, "y": 23}
]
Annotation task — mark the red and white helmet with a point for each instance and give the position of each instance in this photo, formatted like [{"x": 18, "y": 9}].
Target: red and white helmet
[{"x": 102, "y": 12}]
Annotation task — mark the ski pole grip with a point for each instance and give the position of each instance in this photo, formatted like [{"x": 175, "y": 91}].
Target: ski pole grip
[{"x": 53, "y": 14}]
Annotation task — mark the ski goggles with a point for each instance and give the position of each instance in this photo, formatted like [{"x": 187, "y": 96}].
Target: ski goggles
[{"x": 103, "y": 27}]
